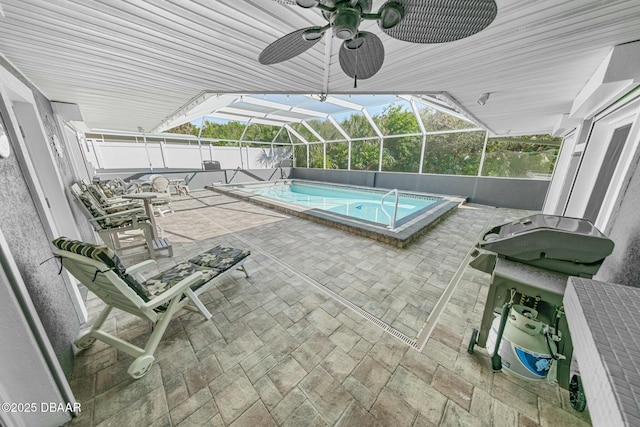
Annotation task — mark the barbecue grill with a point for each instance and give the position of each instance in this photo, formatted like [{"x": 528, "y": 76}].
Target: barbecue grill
[{"x": 530, "y": 261}]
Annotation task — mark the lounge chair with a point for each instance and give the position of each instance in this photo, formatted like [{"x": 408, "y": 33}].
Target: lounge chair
[
  {"x": 119, "y": 228},
  {"x": 109, "y": 204},
  {"x": 157, "y": 299}
]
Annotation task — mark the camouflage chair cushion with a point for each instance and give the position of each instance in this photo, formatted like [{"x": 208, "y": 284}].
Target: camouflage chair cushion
[
  {"x": 108, "y": 188},
  {"x": 114, "y": 222},
  {"x": 98, "y": 194},
  {"x": 101, "y": 196},
  {"x": 105, "y": 256},
  {"x": 220, "y": 258},
  {"x": 169, "y": 278}
]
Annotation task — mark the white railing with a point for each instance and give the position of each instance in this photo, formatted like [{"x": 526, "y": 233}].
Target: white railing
[{"x": 392, "y": 218}]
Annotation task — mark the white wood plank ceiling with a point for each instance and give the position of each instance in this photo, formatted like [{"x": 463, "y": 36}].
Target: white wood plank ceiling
[{"x": 133, "y": 63}]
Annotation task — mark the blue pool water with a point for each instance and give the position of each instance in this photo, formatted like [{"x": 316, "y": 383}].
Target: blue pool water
[{"x": 357, "y": 203}]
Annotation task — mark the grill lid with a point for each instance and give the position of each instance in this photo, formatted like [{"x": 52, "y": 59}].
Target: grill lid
[{"x": 549, "y": 241}]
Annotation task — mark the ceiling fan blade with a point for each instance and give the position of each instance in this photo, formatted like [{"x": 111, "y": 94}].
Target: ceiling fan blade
[
  {"x": 440, "y": 21},
  {"x": 286, "y": 47},
  {"x": 362, "y": 56}
]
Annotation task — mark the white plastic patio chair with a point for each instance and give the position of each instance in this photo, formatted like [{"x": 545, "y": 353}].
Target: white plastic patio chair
[{"x": 160, "y": 184}]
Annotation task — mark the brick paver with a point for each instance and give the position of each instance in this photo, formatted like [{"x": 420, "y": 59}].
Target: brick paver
[{"x": 281, "y": 350}]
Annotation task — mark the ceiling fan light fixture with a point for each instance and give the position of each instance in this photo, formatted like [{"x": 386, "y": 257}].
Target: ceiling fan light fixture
[
  {"x": 312, "y": 34},
  {"x": 354, "y": 43},
  {"x": 307, "y": 3},
  {"x": 391, "y": 14},
  {"x": 345, "y": 22}
]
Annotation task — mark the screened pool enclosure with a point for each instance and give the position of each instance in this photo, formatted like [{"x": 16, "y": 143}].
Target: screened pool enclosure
[{"x": 392, "y": 133}]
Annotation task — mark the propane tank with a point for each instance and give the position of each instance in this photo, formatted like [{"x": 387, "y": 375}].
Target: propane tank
[{"x": 525, "y": 348}]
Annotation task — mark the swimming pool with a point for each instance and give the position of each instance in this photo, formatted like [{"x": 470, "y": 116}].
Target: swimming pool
[
  {"x": 358, "y": 203},
  {"x": 350, "y": 208}
]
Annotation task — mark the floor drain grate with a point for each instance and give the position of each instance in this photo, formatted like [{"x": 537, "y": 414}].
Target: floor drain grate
[{"x": 371, "y": 318}]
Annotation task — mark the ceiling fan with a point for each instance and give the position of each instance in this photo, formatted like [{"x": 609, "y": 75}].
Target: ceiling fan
[{"x": 362, "y": 53}]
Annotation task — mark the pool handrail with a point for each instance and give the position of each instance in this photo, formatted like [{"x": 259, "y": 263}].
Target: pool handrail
[{"x": 392, "y": 220}]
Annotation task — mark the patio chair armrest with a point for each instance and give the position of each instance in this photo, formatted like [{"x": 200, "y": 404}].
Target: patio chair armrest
[
  {"x": 141, "y": 266},
  {"x": 122, "y": 213},
  {"x": 176, "y": 290},
  {"x": 120, "y": 205}
]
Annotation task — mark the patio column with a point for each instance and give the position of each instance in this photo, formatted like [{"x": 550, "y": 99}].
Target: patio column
[
  {"x": 378, "y": 133},
  {"x": 324, "y": 155},
  {"x": 423, "y": 131},
  {"x": 484, "y": 150},
  {"x": 244, "y": 132}
]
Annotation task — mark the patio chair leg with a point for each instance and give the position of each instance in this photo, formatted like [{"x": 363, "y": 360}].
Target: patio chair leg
[
  {"x": 244, "y": 270},
  {"x": 149, "y": 241},
  {"x": 196, "y": 301},
  {"x": 86, "y": 338},
  {"x": 160, "y": 328}
]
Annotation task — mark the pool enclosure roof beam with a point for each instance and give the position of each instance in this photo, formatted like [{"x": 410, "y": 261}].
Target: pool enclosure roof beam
[
  {"x": 296, "y": 108},
  {"x": 337, "y": 126},
  {"x": 313, "y": 132},
  {"x": 322, "y": 141},
  {"x": 283, "y": 107},
  {"x": 296, "y": 134},
  {"x": 242, "y": 114}
]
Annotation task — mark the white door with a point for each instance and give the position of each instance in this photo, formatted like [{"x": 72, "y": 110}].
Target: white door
[{"x": 605, "y": 163}]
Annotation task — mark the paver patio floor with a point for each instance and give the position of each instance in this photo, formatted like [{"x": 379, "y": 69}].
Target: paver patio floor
[{"x": 323, "y": 332}]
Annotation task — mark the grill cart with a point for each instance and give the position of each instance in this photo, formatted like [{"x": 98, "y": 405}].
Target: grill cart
[{"x": 523, "y": 325}]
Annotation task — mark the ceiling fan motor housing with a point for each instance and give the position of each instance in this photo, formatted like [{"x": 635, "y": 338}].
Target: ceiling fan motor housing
[{"x": 345, "y": 22}]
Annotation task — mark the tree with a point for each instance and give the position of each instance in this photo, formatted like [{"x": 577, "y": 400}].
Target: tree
[{"x": 185, "y": 129}]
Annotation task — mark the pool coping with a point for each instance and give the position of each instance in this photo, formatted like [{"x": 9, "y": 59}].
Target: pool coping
[{"x": 402, "y": 236}]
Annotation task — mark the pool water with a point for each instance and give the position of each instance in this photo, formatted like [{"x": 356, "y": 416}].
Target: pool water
[{"x": 356, "y": 203}]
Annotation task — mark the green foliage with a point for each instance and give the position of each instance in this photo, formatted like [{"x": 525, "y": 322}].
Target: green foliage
[
  {"x": 337, "y": 155},
  {"x": 365, "y": 155},
  {"x": 453, "y": 153},
  {"x": 185, "y": 129},
  {"x": 434, "y": 121},
  {"x": 456, "y": 153},
  {"x": 325, "y": 129},
  {"x": 396, "y": 121},
  {"x": 357, "y": 126},
  {"x": 316, "y": 156},
  {"x": 300, "y": 153},
  {"x": 304, "y": 132},
  {"x": 516, "y": 159}
]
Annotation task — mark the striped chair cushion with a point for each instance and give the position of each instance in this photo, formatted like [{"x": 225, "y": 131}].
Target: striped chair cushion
[{"x": 107, "y": 257}]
